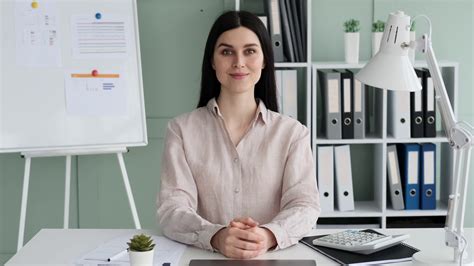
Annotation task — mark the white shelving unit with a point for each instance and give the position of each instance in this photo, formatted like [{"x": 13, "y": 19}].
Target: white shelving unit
[
  {"x": 378, "y": 206},
  {"x": 305, "y": 89}
]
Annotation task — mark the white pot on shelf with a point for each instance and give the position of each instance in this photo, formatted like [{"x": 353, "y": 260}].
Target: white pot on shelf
[
  {"x": 376, "y": 39},
  {"x": 141, "y": 258},
  {"x": 351, "y": 47}
]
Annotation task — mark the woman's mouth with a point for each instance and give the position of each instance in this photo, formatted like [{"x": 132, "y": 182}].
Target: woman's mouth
[{"x": 239, "y": 75}]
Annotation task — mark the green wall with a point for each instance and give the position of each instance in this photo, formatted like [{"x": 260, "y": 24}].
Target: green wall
[{"x": 172, "y": 35}]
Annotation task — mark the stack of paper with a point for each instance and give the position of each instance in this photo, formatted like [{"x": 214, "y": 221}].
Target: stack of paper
[{"x": 166, "y": 251}]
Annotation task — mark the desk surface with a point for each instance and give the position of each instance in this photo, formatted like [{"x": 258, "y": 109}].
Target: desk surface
[{"x": 75, "y": 242}]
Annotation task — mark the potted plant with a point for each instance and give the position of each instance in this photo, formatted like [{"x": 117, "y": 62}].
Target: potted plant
[
  {"x": 411, "y": 52},
  {"x": 140, "y": 249},
  {"x": 351, "y": 40},
  {"x": 377, "y": 32}
]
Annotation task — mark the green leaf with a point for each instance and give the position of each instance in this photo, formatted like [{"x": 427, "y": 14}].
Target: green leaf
[
  {"x": 352, "y": 25},
  {"x": 378, "y": 26},
  {"x": 141, "y": 242}
]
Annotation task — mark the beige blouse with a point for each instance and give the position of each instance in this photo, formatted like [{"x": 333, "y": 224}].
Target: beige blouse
[{"x": 207, "y": 181}]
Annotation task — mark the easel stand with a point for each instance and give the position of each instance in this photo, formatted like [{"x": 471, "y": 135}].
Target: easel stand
[{"x": 29, "y": 155}]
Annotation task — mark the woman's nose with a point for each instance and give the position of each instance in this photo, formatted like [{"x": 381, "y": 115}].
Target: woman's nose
[{"x": 239, "y": 61}]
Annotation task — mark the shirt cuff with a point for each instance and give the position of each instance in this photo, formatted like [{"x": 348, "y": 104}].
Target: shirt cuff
[
  {"x": 205, "y": 236},
  {"x": 281, "y": 236}
]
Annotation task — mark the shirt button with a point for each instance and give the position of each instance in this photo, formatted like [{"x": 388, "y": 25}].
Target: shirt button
[
  {"x": 236, "y": 160},
  {"x": 236, "y": 190}
]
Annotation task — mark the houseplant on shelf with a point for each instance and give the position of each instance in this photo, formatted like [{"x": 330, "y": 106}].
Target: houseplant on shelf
[
  {"x": 140, "y": 249},
  {"x": 377, "y": 32},
  {"x": 351, "y": 40}
]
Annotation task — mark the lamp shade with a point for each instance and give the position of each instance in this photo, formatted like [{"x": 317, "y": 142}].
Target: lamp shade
[{"x": 391, "y": 68}]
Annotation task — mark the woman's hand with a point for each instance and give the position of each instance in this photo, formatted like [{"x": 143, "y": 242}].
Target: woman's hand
[
  {"x": 237, "y": 243},
  {"x": 250, "y": 225}
]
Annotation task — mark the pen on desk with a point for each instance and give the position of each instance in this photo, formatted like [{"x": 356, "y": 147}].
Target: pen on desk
[{"x": 118, "y": 255}]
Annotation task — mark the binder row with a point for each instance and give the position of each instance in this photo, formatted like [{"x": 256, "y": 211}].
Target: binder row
[
  {"x": 412, "y": 114},
  {"x": 334, "y": 178},
  {"x": 287, "y": 26},
  {"x": 287, "y": 92},
  {"x": 344, "y": 104},
  {"x": 411, "y": 176}
]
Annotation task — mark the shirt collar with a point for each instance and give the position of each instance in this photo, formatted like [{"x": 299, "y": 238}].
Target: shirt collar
[{"x": 262, "y": 110}]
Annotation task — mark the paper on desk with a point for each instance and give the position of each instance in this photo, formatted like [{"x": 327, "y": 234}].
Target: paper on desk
[{"x": 165, "y": 251}]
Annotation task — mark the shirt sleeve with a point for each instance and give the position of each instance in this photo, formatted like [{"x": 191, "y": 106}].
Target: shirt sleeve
[
  {"x": 177, "y": 199},
  {"x": 300, "y": 206}
]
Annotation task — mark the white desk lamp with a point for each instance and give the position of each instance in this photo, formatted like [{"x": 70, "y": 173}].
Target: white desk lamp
[{"x": 391, "y": 69}]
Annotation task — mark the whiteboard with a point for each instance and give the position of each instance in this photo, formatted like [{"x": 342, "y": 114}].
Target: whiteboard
[{"x": 42, "y": 107}]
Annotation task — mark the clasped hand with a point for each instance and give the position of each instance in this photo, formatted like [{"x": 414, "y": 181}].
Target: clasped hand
[{"x": 243, "y": 239}]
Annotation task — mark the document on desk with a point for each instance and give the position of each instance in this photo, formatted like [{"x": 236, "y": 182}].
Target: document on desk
[{"x": 166, "y": 250}]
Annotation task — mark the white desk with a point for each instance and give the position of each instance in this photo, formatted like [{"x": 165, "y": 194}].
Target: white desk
[{"x": 64, "y": 246}]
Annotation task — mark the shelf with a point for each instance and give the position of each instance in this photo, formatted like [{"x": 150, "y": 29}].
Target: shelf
[
  {"x": 338, "y": 64},
  {"x": 291, "y": 64},
  {"x": 362, "y": 209},
  {"x": 361, "y": 64},
  {"x": 441, "y": 210},
  {"x": 441, "y": 63},
  {"x": 440, "y": 138},
  {"x": 369, "y": 140}
]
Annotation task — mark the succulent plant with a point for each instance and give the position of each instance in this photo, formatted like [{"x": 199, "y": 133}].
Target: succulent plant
[
  {"x": 352, "y": 25},
  {"x": 141, "y": 243},
  {"x": 378, "y": 26}
]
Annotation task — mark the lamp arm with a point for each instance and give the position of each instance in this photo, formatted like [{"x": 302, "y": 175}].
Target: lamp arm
[
  {"x": 460, "y": 137},
  {"x": 445, "y": 106}
]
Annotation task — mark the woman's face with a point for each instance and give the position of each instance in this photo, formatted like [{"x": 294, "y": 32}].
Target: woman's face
[{"x": 238, "y": 60}]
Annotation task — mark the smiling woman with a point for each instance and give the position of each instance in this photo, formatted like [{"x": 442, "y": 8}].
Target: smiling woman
[
  {"x": 239, "y": 66},
  {"x": 237, "y": 177}
]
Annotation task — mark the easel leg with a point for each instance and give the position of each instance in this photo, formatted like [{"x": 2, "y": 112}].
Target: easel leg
[
  {"x": 67, "y": 190},
  {"x": 24, "y": 200},
  {"x": 129, "y": 191}
]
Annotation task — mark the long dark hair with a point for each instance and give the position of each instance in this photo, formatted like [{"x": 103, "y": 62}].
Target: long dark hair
[{"x": 265, "y": 89}]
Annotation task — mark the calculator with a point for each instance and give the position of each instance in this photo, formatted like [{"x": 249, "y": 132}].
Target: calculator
[{"x": 359, "y": 241}]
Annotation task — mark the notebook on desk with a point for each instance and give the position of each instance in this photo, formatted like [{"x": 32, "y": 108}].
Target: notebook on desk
[
  {"x": 398, "y": 253},
  {"x": 252, "y": 263}
]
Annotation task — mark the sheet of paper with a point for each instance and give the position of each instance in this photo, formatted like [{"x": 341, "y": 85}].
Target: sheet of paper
[
  {"x": 102, "y": 94},
  {"x": 100, "y": 35},
  {"x": 166, "y": 250},
  {"x": 37, "y": 35}
]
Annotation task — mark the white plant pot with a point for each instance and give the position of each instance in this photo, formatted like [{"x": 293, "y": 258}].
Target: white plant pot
[
  {"x": 351, "y": 47},
  {"x": 376, "y": 39},
  {"x": 411, "y": 52},
  {"x": 144, "y": 258}
]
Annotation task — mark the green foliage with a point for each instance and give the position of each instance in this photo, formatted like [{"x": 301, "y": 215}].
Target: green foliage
[
  {"x": 352, "y": 25},
  {"x": 412, "y": 28},
  {"x": 378, "y": 26},
  {"x": 141, "y": 243}
]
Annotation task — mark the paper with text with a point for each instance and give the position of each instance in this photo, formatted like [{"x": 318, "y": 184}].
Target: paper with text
[
  {"x": 37, "y": 35},
  {"x": 165, "y": 250},
  {"x": 100, "y": 36},
  {"x": 101, "y": 94}
]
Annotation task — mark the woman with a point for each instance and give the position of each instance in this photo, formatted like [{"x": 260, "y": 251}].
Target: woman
[{"x": 237, "y": 177}]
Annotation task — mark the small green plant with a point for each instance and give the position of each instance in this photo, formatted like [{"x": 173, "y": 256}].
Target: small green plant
[
  {"x": 412, "y": 28},
  {"x": 378, "y": 26},
  {"x": 141, "y": 243},
  {"x": 352, "y": 25}
]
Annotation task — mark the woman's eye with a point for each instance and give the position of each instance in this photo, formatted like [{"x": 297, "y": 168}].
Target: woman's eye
[
  {"x": 226, "y": 52},
  {"x": 251, "y": 51}
]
